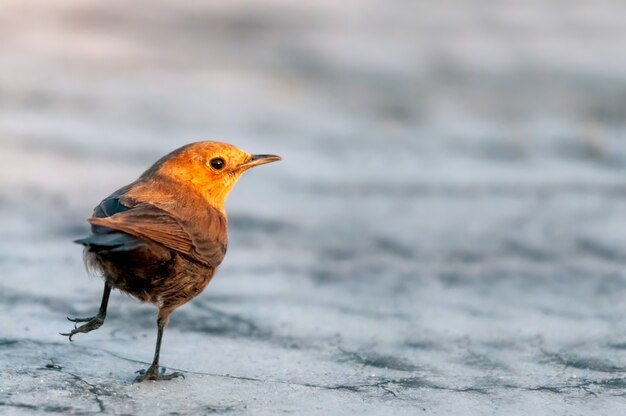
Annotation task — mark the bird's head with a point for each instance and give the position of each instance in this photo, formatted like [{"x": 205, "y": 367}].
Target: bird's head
[{"x": 211, "y": 168}]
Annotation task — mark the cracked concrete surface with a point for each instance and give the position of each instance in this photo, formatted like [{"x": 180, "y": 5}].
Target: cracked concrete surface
[{"x": 445, "y": 235}]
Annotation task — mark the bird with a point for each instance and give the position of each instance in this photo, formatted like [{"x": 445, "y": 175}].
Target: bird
[{"x": 161, "y": 238}]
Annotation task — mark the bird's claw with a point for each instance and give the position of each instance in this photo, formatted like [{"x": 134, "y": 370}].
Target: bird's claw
[
  {"x": 90, "y": 324},
  {"x": 81, "y": 319},
  {"x": 152, "y": 373}
]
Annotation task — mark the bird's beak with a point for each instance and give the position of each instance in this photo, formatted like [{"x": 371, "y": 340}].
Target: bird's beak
[{"x": 256, "y": 160}]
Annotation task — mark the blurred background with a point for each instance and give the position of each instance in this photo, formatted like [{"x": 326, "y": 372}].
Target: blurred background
[{"x": 448, "y": 221}]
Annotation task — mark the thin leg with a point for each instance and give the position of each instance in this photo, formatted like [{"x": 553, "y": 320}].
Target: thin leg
[
  {"x": 152, "y": 373},
  {"x": 93, "y": 322}
]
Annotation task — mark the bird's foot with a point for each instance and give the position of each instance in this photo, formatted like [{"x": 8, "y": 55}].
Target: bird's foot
[
  {"x": 153, "y": 373},
  {"x": 92, "y": 323}
]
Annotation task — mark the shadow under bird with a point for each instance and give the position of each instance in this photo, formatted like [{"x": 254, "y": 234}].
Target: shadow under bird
[{"x": 161, "y": 238}]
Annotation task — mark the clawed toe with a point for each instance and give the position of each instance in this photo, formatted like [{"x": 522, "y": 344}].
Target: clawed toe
[
  {"x": 171, "y": 376},
  {"x": 81, "y": 319},
  {"x": 92, "y": 323},
  {"x": 153, "y": 374}
]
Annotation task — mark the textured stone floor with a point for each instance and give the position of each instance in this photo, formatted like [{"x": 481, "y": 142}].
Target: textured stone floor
[{"x": 445, "y": 235}]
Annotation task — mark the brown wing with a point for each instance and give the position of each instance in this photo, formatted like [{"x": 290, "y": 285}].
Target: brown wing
[
  {"x": 155, "y": 211},
  {"x": 152, "y": 223}
]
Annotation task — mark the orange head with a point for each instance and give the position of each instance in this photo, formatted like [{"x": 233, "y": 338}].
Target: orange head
[{"x": 211, "y": 168}]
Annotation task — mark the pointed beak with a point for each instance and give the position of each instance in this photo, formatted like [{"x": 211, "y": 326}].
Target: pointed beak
[{"x": 256, "y": 160}]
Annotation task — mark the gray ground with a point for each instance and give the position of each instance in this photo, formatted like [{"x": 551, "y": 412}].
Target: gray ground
[{"x": 445, "y": 235}]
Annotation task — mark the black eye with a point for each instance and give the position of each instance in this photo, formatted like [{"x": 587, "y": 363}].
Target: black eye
[{"x": 217, "y": 163}]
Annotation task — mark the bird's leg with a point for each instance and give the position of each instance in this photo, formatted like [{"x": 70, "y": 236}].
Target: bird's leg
[
  {"x": 93, "y": 322},
  {"x": 153, "y": 373}
]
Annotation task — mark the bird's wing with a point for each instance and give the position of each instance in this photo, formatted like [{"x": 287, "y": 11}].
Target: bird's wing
[
  {"x": 149, "y": 222},
  {"x": 108, "y": 239},
  {"x": 112, "y": 205}
]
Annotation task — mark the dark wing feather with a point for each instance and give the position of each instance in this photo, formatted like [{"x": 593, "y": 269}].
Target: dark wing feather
[
  {"x": 107, "y": 239},
  {"x": 111, "y": 206},
  {"x": 147, "y": 221},
  {"x": 110, "y": 240}
]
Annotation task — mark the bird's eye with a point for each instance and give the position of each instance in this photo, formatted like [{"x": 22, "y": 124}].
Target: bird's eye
[{"x": 217, "y": 163}]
